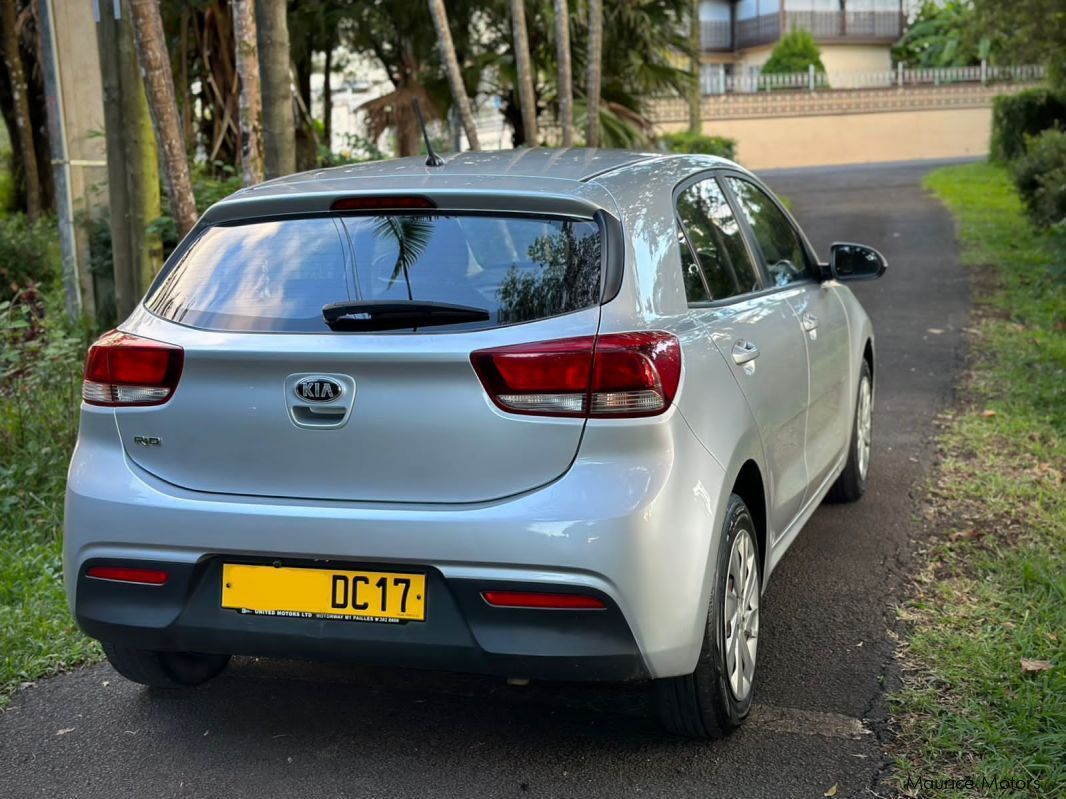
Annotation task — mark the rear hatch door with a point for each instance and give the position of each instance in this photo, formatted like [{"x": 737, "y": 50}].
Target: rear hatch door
[{"x": 273, "y": 402}]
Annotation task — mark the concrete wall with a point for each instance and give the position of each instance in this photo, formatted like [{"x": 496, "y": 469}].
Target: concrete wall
[
  {"x": 83, "y": 117},
  {"x": 778, "y": 142},
  {"x": 835, "y": 58},
  {"x": 856, "y": 58}
]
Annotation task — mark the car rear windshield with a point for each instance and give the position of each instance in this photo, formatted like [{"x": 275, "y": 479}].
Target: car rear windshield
[{"x": 278, "y": 275}]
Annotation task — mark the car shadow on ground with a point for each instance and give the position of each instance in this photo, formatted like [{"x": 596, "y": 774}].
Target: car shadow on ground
[{"x": 274, "y": 700}]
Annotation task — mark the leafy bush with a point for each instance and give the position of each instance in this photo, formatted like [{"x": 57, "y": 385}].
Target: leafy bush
[
  {"x": 796, "y": 51},
  {"x": 943, "y": 34},
  {"x": 698, "y": 143},
  {"x": 40, "y": 378},
  {"x": 1027, "y": 113},
  {"x": 1040, "y": 175},
  {"x": 29, "y": 255}
]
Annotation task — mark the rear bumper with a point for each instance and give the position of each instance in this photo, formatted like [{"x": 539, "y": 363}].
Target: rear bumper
[
  {"x": 634, "y": 521},
  {"x": 461, "y": 631}
]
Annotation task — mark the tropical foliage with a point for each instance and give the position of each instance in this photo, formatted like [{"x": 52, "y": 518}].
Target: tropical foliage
[{"x": 943, "y": 35}]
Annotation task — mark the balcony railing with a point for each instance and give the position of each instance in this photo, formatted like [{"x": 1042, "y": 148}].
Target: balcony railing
[
  {"x": 824, "y": 25},
  {"x": 716, "y": 36},
  {"x": 720, "y": 83},
  {"x": 758, "y": 30}
]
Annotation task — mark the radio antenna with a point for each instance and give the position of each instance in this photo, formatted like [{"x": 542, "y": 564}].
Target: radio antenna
[{"x": 432, "y": 159}]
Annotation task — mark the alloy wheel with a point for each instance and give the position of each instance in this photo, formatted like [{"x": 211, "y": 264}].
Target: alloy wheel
[{"x": 741, "y": 614}]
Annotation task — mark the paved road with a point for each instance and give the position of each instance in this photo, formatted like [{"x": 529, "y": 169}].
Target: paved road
[{"x": 270, "y": 729}]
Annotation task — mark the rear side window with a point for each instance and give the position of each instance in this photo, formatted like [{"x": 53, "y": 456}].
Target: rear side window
[
  {"x": 277, "y": 275},
  {"x": 786, "y": 258},
  {"x": 718, "y": 254}
]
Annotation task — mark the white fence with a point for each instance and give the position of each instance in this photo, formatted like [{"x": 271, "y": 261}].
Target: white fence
[{"x": 717, "y": 82}]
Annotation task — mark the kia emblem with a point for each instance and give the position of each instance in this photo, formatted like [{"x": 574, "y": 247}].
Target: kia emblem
[{"x": 318, "y": 389}]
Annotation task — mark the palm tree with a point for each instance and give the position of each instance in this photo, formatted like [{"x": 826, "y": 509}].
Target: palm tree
[
  {"x": 527, "y": 100},
  {"x": 251, "y": 101},
  {"x": 20, "y": 98},
  {"x": 595, "y": 74},
  {"x": 565, "y": 88},
  {"x": 695, "y": 117},
  {"x": 163, "y": 105},
  {"x": 279, "y": 124},
  {"x": 455, "y": 75}
]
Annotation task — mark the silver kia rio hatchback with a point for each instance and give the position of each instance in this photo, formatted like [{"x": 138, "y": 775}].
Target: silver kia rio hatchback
[{"x": 545, "y": 414}]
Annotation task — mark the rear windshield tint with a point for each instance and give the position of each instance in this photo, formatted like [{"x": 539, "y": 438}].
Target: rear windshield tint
[{"x": 277, "y": 276}]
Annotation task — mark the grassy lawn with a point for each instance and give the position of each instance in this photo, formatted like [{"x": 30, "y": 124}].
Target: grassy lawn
[
  {"x": 40, "y": 379},
  {"x": 984, "y": 649}
]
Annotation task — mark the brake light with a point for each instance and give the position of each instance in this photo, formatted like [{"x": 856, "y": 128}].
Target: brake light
[
  {"x": 529, "y": 599},
  {"x": 618, "y": 375},
  {"x": 122, "y": 574},
  {"x": 122, "y": 369},
  {"x": 381, "y": 203}
]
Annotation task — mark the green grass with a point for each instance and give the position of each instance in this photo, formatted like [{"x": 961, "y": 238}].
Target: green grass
[
  {"x": 40, "y": 365},
  {"x": 994, "y": 589}
]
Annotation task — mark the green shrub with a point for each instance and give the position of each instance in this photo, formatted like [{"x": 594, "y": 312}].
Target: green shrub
[
  {"x": 41, "y": 355},
  {"x": 698, "y": 143},
  {"x": 1040, "y": 174},
  {"x": 1027, "y": 113},
  {"x": 796, "y": 51},
  {"x": 29, "y": 255}
]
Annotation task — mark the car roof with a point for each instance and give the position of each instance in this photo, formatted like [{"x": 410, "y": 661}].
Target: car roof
[
  {"x": 576, "y": 163},
  {"x": 539, "y": 176}
]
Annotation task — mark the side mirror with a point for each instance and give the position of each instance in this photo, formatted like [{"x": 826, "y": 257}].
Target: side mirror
[{"x": 855, "y": 262}]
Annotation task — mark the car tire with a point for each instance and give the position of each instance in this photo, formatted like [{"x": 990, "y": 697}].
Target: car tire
[
  {"x": 707, "y": 702},
  {"x": 851, "y": 484},
  {"x": 164, "y": 669}
]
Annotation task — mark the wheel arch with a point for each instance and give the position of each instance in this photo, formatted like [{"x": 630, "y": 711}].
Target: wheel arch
[{"x": 750, "y": 486}]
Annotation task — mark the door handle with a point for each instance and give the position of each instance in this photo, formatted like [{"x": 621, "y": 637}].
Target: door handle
[
  {"x": 810, "y": 322},
  {"x": 744, "y": 351}
]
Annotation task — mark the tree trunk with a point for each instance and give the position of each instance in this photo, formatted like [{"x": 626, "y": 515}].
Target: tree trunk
[
  {"x": 565, "y": 88},
  {"x": 247, "y": 51},
  {"x": 279, "y": 125},
  {"x": 695, "y": 115},
  {"x": 183, "y": 81},
  {"x": 132, "y": 165},
  {"x": 159, "y": 86},
  {"x": 23, "y": 123},
  {"x": 595, "y": 74},
  {"x": 455, "y": 75},
  {"x": 327, "y": 96},
  {"x": 527, "y": 100}
]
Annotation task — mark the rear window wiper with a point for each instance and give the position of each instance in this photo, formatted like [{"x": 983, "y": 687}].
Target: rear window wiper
[{"x": 398, "y": 314}]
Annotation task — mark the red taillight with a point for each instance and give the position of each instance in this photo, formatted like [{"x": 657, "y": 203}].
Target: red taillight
[
  {"x": 381, "y": 203},
  {"x": 122, "y": 369},
  {"x": 529, "y": 599},
  {"x": 123, "y": 574},
  {"x": 617, "y": 375}
]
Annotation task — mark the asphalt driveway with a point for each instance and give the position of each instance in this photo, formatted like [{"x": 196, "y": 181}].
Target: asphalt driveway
[{"x": 268, "y": 729}]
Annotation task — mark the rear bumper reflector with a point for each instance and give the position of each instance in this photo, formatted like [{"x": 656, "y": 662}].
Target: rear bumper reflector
[
  {"x": 529, "y": 599},
  {"x": 123, "y": 574}
]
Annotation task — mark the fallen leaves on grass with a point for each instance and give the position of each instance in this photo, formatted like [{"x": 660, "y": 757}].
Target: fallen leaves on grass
[{"x": 1034, "y": 666}]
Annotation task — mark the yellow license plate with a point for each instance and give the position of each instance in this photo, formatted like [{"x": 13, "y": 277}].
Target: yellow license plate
[{"x": 324, "y": 593}]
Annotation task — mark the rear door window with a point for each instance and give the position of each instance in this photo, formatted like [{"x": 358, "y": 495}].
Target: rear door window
[
  {"x": 277, "y": 275},
  {"x": 717, "y": 244}
]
